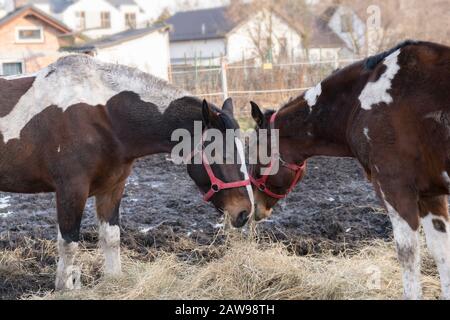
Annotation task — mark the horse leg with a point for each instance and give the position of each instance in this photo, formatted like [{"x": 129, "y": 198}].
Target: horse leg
[
  {"x": 434, "y": 212},
  {"x": 400, "y": 202},
  {"x": 70, "y": 202},
  {"x": 109, "y": 230}
]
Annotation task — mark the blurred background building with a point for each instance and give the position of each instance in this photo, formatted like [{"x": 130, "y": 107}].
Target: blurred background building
[{"x": 261, "y": 49}]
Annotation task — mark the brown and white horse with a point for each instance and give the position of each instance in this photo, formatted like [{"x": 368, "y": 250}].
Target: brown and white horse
[
  {"x": 392, "y": 113},
  {"x": 76, "y": 127}
]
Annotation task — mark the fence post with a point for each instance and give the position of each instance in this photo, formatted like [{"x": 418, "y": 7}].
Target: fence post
[{"x": 223, "y": 67}]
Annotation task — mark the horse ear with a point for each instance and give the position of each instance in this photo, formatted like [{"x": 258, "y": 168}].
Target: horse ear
[
  {"x": 257, "y": 115},
  {"x": 228, "y": 107},
  {"x": 206, "y": 112}
]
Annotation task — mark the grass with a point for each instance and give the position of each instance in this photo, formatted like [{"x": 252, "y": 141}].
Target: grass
[{"x": 243, "y": 270}]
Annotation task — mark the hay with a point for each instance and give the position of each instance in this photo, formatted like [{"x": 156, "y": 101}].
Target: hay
[{"x": 245, "y": 270}]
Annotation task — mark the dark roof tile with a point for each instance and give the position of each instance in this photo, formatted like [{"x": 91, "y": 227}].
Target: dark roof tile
[{"x": 200, "y": 24}]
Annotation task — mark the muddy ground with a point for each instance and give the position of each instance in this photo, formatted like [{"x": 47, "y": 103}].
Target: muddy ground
[{"x": 334, "y": 207}]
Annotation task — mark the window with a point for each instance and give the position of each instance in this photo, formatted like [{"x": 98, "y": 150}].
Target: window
[
  {"x": 130, "y": 20},
  {"x": 105, "y": 20},
  {"x": 29, "y": 35},
  {"x": 11, "y": 68},
  {"x": 81, "y": 20},
  {"x": 346, "y": 23}
]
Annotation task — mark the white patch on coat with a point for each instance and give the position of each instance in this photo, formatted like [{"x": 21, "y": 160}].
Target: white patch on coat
[
  {"x": 59, "y": 149},
  {"x": 377, "y": 92},
  {"x": 438, "y": 243},
  {"x": 408, "y": 249},
  {"x": 377, "y": 169},
  {"x": 78, "y": 79},
  {"x": 446, "y": 178},
  {"x": 240, "y": 149},
  {"x": 313, "y": 94},
  {"x": 109, "y": 240},
  {"x": 67, "y": 274},
  {"x": 366, "y": 133}
]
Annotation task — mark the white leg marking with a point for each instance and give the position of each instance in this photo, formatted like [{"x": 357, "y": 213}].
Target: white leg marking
[
  {"x": 437, "y": 234},
  {"x": 240, "y": 149},
  {"x": 109, "y": 238},
  {"x": 377, "y": 92},
  {"x": 408, "y": 251},
  {"x": 67, "y": 275},
  {"x": 313, "y": 94}
]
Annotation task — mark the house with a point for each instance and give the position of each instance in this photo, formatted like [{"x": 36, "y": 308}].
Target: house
[
  {"x": 201, "y": 37},
  {"x": 347, "y": 26},
  {"x": 29, "y": 40},
  {"x": 95, "y": 18},
  {"x": 146, "y": 49},
  {"x": 6, "y": 6}
]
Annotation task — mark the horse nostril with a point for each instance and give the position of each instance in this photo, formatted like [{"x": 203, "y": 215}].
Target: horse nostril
[{"x": 242, "y": 218}]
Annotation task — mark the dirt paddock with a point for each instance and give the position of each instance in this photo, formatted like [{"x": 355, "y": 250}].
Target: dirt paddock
[{"x": 332, "y": 216}]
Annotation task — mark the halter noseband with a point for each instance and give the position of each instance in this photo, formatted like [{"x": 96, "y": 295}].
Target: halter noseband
[
  {"x": 216, "y": 184},
  {"x": 261, "y": 183}
]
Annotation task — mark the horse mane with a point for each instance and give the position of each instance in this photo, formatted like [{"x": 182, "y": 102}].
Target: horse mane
[
  {"x": 117, "y": 78},
  {"x": 371, "y": 62}
]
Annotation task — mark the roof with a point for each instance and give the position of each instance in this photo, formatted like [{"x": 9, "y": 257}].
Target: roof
[
  {"x": 117, "y": 38},
  {"x": 200, "y": 24},
  {"x": 58, "y": 6},
  {"x": 31, "y": 10},
  {"x": 321, "y": 35},
  {"x": 212, "y": 23},
  {"x": 118, "y": 3}
]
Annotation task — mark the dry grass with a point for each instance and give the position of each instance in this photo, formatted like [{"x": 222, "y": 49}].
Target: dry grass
[{"x": 245, "y": 270}]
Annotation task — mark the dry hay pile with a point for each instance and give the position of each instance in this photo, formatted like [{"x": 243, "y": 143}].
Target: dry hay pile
[{"x": 239, "y": 269}]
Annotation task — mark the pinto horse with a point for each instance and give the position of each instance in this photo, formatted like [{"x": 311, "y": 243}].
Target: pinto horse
[
  {"x": 392, "y": 113},
  {"x": 76, "y": 127}
]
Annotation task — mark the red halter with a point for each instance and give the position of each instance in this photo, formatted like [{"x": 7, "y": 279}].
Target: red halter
[
  {"x": 216, "y": 184},
  {"x": 261, "y": 183}
]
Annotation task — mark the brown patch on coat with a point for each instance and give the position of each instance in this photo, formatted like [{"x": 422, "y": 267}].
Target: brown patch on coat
[{"x": 11, "y": 92}]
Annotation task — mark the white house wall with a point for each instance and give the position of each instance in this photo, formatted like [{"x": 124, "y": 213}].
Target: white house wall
[
  {"x": 240, "y": 42},
  {"x": 93, "y": 11},
  {"x": 140, "y": 18},
  {"x": 150, "y": 54},
  {"x": 199, "y": 50},
  {"x": 349, "y": 38},
  {"x": 43, "y": 7}
]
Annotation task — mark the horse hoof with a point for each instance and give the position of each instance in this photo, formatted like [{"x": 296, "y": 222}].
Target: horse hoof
[{"x": 69, "y": 280}]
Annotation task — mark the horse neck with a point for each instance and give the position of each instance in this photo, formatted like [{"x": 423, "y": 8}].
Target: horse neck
[
  {"x": 322, "y": 130},
  {"x": 143, "y": 130}
]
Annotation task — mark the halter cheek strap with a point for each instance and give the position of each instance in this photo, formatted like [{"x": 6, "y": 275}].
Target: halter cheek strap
[
  {"x": 261, "y": 183},
  {"x": 216, "y": 184}
]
